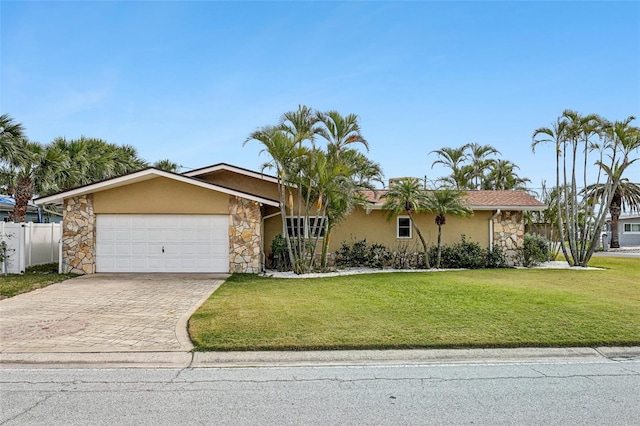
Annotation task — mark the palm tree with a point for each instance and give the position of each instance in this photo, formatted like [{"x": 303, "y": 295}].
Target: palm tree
[
  {"x": 453, "y": 158},
  {"x": 626, "y": 195},
  {"x": 343, "y": 185},
  {"x": 344, "y": 173},
  {"x": 340, "y": 131},
  {"x": 167, "y": 165},
  {"x": 94, "y": 160},
  {"x": 37, "y": 173},
  {"x": 11, "y": 135},
  {"x": 445, "y": 202},
  {"x": 480, "y": 162},
  {"x": 502, "y": 176},
  {"x": 557, "y": 135},
  {"x": 407, "y": 195},
  {"x": 283, "y": 151}
]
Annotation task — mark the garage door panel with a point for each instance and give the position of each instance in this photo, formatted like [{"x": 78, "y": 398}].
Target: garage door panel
[{"x": 134, "y": 243}]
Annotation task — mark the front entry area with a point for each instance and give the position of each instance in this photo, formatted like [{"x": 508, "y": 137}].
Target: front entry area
[{"x": 162, "y": 243}]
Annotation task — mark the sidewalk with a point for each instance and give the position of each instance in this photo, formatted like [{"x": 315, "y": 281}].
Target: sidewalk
[{"x": 315, "y": 358}]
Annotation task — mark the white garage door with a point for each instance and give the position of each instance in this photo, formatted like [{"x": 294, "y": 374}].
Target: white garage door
[{"x": 162, "y": 243}]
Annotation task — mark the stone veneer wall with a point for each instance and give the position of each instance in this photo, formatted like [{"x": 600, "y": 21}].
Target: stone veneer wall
[
  {"x": 244, "y": 235},
  {"x": 79, "y": 236},
  {"x": 508, "y": 233}
]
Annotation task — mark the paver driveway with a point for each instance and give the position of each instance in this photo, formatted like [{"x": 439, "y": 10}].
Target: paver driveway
[{"x": 105, "y": 313}]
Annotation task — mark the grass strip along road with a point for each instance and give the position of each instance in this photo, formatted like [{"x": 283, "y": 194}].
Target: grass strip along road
[{"x": 455, "y": 309}]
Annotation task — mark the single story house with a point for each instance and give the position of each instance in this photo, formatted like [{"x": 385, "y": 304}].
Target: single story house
[
  {"x": 34, "y": 213},
  {"x": 628, "y": 230},
  {"x": 223, "y": 218}
]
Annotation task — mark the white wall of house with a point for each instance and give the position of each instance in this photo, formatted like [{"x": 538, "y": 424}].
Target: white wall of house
[{"x": 629, "y": 230}]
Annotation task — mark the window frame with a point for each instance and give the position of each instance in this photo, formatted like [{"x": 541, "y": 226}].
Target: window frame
[
  {"x": 292, "y": 229},
  {"x": 306, "y": 226},
  {"x": 631, "y": 225},
  {"x": 410, "y": 226},
  {"x": 320, "y": 231}
]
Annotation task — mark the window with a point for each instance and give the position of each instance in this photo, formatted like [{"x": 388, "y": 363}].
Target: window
[
  {"x": 632, "y": 227},
  {"x": 295, "y": 226},
  {"x": 404, "y": 227},
  {"x": 316, "y": 228}
]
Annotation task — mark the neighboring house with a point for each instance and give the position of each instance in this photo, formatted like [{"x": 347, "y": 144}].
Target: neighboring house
[
  {"x": 7, "y": 204},
  {"x": 223, "y": 218},
  {"x": 628, "y": 230}
]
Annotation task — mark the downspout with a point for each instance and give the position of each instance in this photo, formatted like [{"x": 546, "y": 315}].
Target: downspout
[
  {"x": 491, "y": 228},
  {"x": 262, "y": 255}
]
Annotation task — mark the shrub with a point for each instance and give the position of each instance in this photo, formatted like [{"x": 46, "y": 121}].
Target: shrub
[
  {"x": 534, "y": 250},
  {"x": 495, "y": 258},
  {"x": 358, "y": 254},
  {"x": 279, "y": 254},
  {"x": 465, "y": 254}
]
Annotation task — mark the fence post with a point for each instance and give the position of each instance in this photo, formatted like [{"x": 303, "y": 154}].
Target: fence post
[
  {"x": 60, "y": 255},
  {"x": 21, "y": 248}
]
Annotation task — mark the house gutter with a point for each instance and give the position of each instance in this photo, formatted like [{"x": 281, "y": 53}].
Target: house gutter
[
  {"x": 262, "y": 255},
  {"x": 491, "y": 228}
]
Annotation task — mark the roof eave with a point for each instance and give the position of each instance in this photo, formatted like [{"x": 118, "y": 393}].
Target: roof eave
[
  {"x": 231, "y": 168},
  {"x": 141, "y": 176}
]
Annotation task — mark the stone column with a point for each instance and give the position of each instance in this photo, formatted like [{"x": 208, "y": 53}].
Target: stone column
[
  {"x": 244, "y": 235},
  {"x": 79, "y": 236},
  {"x": 508, "y": 234}
]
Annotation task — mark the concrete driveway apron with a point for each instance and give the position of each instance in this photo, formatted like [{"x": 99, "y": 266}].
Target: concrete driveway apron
[{"x": 106, "y": 313}]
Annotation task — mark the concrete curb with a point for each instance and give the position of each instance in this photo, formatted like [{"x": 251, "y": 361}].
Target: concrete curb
[{"x": 315, "y": 358}]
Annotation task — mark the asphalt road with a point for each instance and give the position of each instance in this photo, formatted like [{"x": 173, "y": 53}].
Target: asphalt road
[{"x": 550, "y": 393}]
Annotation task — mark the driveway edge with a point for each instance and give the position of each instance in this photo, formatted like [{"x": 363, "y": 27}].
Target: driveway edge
[{"x": 182, "y": 326}]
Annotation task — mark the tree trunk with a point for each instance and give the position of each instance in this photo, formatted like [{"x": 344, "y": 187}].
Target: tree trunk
[
  {"x": 615, "y": 215},
  {"x": 424, "y": 243},
  {"x": 439, "y": 246},
  {"x": 22, "y": 196}
]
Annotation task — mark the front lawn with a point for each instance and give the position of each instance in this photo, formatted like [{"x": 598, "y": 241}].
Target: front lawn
[
  {"x": 35, "y": 277},
  {"x": 479, "y": 308}
]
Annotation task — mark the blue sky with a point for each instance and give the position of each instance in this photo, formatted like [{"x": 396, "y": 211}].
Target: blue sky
[{"x": 189, "y": 81}]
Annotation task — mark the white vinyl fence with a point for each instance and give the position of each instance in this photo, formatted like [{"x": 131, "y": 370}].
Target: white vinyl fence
[{"x": 29, "y": 244}]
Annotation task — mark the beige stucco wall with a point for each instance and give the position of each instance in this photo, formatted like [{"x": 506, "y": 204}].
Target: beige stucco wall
[
  {"x": 243, "y": 183},
  {"x": 375, "y": 228},
  {"x": 161, "y": 196}
]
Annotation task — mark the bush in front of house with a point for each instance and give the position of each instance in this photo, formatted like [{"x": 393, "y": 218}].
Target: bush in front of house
[
  {"x": 360, "y": 254},
  {"x": 279, "y": 258},
  {"x": 462, "y": 255},
  {"x": 534, "y": 250}
]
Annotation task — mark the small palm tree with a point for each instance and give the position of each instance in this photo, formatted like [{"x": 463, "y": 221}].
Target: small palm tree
[
  {"x": 445, "y": 202},
  {"x": 407, "y": 195}
]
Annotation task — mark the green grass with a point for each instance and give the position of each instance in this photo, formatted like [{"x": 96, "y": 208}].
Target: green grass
[
  {"x": 34, "y": 277},
  {"x": 480, "y": 308}
]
